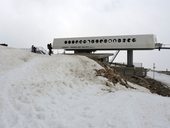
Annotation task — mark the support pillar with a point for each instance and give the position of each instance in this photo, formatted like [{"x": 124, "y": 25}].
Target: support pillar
[{"x": 130, "y": 58}]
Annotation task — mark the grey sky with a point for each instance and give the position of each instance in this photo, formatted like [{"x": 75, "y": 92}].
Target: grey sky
[{"x": 27, "y": 22}]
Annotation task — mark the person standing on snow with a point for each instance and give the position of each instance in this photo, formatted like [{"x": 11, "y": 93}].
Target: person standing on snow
[
  {"x": 49, "y": 46},
  {"x": 33, "y": 49}
]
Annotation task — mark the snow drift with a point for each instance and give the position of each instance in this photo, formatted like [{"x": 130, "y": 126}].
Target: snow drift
[{"x": 59, "y": 91}]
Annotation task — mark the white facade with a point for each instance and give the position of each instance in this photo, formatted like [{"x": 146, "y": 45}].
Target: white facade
[{"x": 124, "y": 42}]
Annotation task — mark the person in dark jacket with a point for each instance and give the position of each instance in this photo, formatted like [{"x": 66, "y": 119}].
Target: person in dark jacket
[
  {"x": 49, "y": 46},
  {"x": 33, "y": 49}
]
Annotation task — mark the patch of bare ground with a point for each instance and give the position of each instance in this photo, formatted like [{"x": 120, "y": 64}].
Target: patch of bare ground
[
  {"x": 115, "y": 77},
  {"x": 153, "y": 85}
]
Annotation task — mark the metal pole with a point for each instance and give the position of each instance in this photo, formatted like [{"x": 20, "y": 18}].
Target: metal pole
[
  {"x": 130, "y": 58},
  {"x": 154, "y": 70}
]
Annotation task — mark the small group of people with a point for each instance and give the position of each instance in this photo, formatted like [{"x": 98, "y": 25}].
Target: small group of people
[
  {"x": 4, "y": 44},
  {"x": 36, "y": 50}
]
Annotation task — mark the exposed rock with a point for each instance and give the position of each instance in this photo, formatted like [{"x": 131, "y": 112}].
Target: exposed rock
[{"x": 112, "y": 76}]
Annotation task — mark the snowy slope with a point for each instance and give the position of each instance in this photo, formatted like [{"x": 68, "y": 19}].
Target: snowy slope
[
  {"x": 160, "y": 77},
  {"x": 59, "y": 91}
]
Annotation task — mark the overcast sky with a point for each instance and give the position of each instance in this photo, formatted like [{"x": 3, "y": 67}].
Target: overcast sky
[{"x": 38, "y": 22}]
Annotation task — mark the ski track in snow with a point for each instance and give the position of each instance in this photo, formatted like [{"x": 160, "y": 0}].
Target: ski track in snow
[{"x": 63, "y": 92}]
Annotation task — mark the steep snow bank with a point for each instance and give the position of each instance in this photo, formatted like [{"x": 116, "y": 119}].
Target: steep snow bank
[
  {"x": 64, "y": 92},
  {"x": 11, "y": 57}
]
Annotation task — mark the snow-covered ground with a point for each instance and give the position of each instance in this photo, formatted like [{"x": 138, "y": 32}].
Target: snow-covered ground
[
  {"x": 160, "y": 77},
  {"x": 60, "y": 91}
]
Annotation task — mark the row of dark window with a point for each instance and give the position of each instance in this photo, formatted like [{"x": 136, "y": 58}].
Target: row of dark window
[{"x": 124, "y": 40}]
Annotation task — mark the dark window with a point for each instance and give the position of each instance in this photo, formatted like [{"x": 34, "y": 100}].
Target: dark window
[
  {"x": 65, "y": 42},
  {"x": 119, "y": 40},
  {"x": 110, "y": 40},
  {"x": 105, "y": 40},
  {"x": 72, "y": 41},
  {"x": 92, "y": 41},
  {"x": 128, "y": 40},
  {"x": 89, "y": 41},
  {"x": 101, "y": 41},
  {"x": 80, "y": 41},
  {"x": 69, "y": 42},
  {"x": 124, "y": 40},
  {"x": 77, "y": 41},
  {"x": 97, "y": 41},
  {"x": 84, "y": 41},
  {"x": 114, "y": 40},
  {"x": 134, "y": 40}
]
